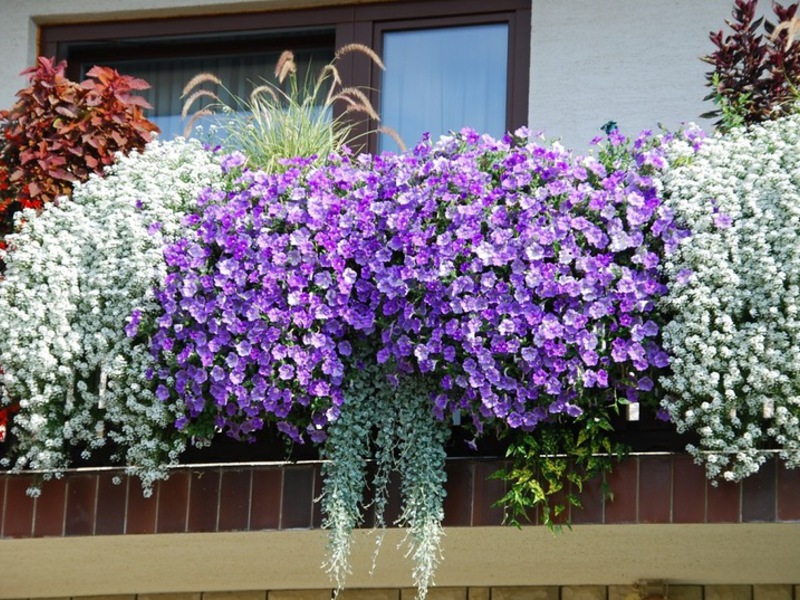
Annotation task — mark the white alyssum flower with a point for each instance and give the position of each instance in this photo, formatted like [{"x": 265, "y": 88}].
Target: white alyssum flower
[
  {"x": 75, "y": 275},
  {"x": 734, "y": 298}
]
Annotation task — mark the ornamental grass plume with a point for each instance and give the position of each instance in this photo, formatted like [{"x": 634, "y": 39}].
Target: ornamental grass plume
[
  {"x": 274, "y": 124},
  {"x": 92, "y": 262},
  {"x": 792, "y": 28}
]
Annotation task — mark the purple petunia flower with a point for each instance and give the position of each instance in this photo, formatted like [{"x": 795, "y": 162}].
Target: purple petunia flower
[
  {"x": 722, "y": 221},
  {"x": 232, "y": 161},
  {"x": 133, "y": 323},
  {"x": 506, "y": 275},
  {"x": 684, "y": 275}
]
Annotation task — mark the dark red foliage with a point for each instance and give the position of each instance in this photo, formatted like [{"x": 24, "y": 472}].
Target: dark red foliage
[
  {"x": 754, "y": 75},
  {"x": 60, "y": 132}
]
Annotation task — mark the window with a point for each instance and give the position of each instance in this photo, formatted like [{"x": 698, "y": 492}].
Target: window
[
  {"x": 442, "y": 79},
  {"x": 240, "y": 60},
  {"x": 450, "y": 63}
]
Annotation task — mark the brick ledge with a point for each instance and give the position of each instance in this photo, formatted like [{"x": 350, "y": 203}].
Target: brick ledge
[{"x": 648, "y": 488}]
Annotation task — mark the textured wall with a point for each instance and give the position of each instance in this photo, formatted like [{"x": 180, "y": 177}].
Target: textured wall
[
  {"x": 587, "y": 592},
  {"x": 631, "y": 61}
]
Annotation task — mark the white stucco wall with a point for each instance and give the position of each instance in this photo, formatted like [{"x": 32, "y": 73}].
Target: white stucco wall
[{"x": 633, "y": 61}]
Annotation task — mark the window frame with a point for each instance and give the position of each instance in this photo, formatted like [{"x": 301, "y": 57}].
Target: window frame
[
  {"x": 433, "y": 23},
  {"x": 359, "y": 23}
]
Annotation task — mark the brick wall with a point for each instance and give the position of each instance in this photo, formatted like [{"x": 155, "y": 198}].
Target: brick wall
[{"x": 647, "y": 489}]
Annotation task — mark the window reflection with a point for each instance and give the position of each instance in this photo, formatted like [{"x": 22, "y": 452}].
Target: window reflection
[
  {"x": 238, "y": 73},
  {"x": 443, "y": 79}
]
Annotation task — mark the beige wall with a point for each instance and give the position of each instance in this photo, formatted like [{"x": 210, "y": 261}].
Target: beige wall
[
  {"x": 588, "y": 555},
  {"x": 588, "y": 592},
  {"x": 633, "y": 61}
]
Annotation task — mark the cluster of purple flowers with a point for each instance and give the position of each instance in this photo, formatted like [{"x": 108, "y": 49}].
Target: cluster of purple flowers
[{"x": 521, "y": 279}]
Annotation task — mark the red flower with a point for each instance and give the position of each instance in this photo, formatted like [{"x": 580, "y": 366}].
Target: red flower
[{"x": 5, "y": 418}]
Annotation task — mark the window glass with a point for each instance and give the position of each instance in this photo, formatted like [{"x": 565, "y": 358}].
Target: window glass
[
  {"x": 450, "y": 64},
  {"x": 443, "y": 79},
  {"x": 239, "y": 75}
]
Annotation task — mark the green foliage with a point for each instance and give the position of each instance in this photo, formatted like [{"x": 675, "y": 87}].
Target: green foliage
[
  {"x": 392, "y": 424},
  {"x": 731, "y": 109},
  {"x": 550, "y": 466},
  {"x": 421, "y": 460},
  {"x": 346, "y": 452},
  {"x": 274, "y": 123}
]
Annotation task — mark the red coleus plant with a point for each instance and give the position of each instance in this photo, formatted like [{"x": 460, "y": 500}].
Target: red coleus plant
[
  {"x": 756, "y": 73},
  {"x": 60, "y": 132}
]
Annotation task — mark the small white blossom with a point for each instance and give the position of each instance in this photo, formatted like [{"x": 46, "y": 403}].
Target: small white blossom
[
  {"x": 735, "y": 330},
  {"x": 74, "y": 276}
]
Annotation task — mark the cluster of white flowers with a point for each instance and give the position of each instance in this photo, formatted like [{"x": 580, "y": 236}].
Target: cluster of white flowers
[
  {"x": 75, "y": 275},
  {"x": 735, "y": 298}
]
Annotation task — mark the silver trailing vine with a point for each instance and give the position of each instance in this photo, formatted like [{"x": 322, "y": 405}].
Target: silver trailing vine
[
  {"x": 389, "y": 421},
  {"x": 421, "y": 461},
  {"x": 346, "y": 451}
]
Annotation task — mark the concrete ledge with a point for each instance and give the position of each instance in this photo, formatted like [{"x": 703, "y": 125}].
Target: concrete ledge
[{"x": 598, "y": 555}]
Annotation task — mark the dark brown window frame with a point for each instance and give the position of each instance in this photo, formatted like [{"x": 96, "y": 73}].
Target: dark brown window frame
[{"x": 361, "y": 23}]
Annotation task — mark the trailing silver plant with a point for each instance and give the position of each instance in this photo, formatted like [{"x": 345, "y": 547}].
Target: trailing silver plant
[
  {"x": 421, "y": 461},
  {"x": 389, "y": 421},
  {"x": 346, "y": 451}
]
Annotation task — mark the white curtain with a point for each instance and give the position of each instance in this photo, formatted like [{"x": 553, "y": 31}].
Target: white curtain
[
  {"x": 443, "y": 79},
  {"x": 238, "y": 73}
]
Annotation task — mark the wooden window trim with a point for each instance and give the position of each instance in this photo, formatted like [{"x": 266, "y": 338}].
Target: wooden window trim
[
  {"x": 516, "y": 112},
  {"x": 361, "y": 23}
]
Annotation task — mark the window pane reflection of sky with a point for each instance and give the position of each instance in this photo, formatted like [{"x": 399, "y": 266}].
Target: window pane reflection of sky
[{"x": 438, "y": 80}]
